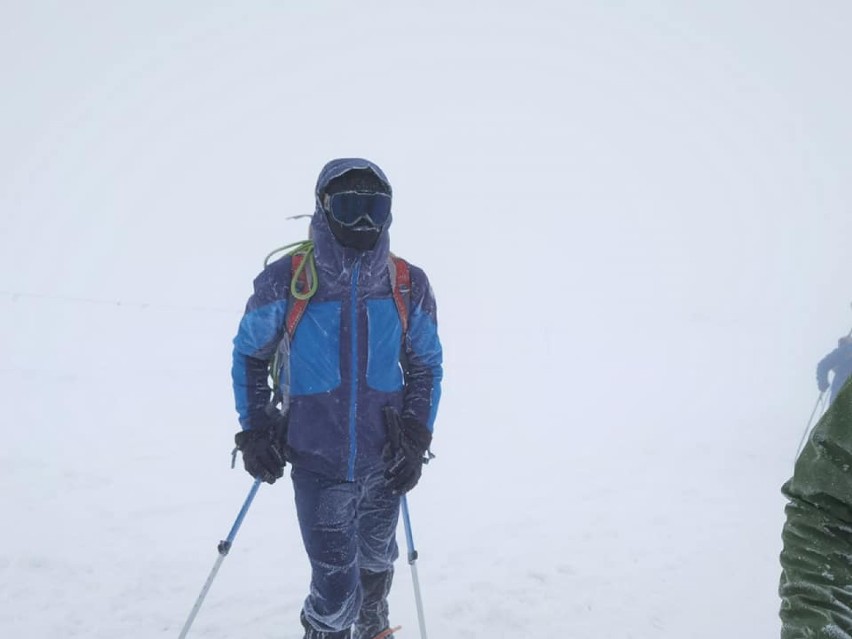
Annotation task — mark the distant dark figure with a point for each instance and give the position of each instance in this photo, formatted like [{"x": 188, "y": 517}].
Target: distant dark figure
[{"x": 840, "y": 362}]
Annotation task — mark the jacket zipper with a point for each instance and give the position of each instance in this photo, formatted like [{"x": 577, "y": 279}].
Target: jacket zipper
[{"x": 353, "y": 369}]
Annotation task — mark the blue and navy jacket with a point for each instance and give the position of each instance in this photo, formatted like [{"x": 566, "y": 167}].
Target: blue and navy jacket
[{"x": 347, "y": 359}]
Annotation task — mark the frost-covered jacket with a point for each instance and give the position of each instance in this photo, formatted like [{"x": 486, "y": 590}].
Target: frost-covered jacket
[
  {"x": 347, "y": 359},
  {"x": 816, "y": 578},
  {"x": 840, "y": 361}
]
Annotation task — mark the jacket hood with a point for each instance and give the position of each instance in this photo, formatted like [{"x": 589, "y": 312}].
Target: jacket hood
[
  {"x": 330, "y": 255},
  {"x": 336, "y": 168}
]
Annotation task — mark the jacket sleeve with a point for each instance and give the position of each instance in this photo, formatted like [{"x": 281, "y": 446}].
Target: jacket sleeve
[
  {"x": 423, "y": 354},
  {"x": 260, "y": 331},
  {"x": 816, "y": 560},
  {"x": 825, "y": 365}
]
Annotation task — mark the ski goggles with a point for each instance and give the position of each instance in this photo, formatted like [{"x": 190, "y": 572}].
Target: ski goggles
[{"x": 351, "y": 208}]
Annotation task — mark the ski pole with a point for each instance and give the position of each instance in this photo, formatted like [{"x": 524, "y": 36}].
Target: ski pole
[
  {"x": 809, "y": 425},
  {"x": 223, "y": 548},
  {"x": 412, "y": 559}
]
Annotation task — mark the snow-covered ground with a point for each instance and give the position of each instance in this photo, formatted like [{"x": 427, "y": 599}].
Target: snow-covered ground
[{"x": 635, "y": 218}]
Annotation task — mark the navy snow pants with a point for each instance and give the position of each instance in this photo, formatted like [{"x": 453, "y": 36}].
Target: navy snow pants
[{"x": 349, "y": 532}]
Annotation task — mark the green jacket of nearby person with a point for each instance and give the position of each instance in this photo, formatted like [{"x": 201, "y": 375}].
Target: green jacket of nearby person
[{"x": 816, "y": 577}]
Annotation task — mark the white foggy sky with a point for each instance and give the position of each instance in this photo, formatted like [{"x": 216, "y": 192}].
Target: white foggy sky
[
  {"x": 695, "y": 151},
  {"x": 634, "y": 214}
]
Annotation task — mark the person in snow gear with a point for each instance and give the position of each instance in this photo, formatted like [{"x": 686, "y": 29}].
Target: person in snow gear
[
  {"x": 816, "y": 598},
  {"x": 350, "y": 333},
  {"x": 838, "y": 361}
]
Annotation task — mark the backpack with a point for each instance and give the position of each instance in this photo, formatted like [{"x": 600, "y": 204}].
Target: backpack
[{"x": 303, "y": 286}]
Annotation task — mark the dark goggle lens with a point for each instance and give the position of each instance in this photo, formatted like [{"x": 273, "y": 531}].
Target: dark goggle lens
[{"x": 350, "y": 207}]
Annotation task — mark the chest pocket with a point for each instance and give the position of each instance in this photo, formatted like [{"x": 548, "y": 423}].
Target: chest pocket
[
  {"x": 384, "y": 338},
  {"x": 315, "y": 350}
]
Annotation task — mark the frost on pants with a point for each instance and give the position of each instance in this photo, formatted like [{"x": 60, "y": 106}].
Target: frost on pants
[{"x": 349, "y": 533}]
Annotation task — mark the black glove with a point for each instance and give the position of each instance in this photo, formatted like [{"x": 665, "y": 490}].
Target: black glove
[
  {"x": 406, "y": 451},
  {"x": 263, "y": 454}
]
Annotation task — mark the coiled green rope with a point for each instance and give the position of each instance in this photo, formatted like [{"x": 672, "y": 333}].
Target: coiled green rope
[{"x": 307, "y": 248}]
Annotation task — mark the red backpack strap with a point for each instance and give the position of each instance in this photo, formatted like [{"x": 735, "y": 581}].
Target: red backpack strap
[
  {"x": 295, "y": 306},
  {"x": 401, "y": 282}
]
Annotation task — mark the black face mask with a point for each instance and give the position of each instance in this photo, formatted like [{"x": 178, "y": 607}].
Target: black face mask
[{"x": 360, "y": 238}]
